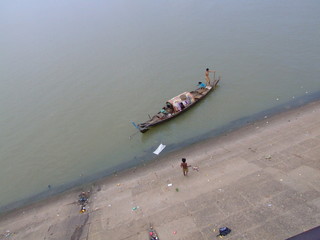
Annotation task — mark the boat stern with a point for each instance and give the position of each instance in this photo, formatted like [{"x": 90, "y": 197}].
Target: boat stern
[{"x": 143, "y": 128}]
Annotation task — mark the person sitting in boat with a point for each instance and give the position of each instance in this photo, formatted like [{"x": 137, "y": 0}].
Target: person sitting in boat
[
  {"x": 201, "y": 85},
  {"x": 169, "y": 108},
  {"x": 185, "y": 102},
  {"x": 163, "y": 110},
  {"x": 182, "y": 106}
]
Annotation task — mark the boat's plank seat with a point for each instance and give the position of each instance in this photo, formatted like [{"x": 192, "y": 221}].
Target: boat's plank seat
[
  {"x": 201, "y": 90},
  {"x": 196, "y": 95}
]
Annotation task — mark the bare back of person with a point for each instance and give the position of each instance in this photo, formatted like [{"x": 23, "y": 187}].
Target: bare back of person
[{"x": 207, "y": 76}]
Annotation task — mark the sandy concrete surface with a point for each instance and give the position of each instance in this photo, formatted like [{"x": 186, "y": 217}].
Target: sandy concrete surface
[{"x": 262, "y": 181}]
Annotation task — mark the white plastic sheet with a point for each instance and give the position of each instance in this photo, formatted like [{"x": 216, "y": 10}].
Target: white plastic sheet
[{"x": 159, "y": 149}]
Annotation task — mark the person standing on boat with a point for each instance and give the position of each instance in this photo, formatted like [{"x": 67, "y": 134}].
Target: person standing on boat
[{"x": 207, "y": 75}]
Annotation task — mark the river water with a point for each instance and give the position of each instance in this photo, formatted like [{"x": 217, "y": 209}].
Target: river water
[{"x": 75, "y": 74}]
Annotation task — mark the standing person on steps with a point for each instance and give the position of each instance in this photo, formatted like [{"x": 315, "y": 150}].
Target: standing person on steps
[{"x": 207, "y": 76}]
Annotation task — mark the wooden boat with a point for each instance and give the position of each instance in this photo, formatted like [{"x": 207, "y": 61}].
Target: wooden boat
[{"x": 177, "y": 105}]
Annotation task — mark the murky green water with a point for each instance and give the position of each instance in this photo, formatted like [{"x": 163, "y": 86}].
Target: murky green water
[{"x": 74, "y": 74}]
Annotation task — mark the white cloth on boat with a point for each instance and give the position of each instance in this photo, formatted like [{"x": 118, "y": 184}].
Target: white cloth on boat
[
  {"x": 159, "y": 149},
  {"x": 177, "y": 107}
]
